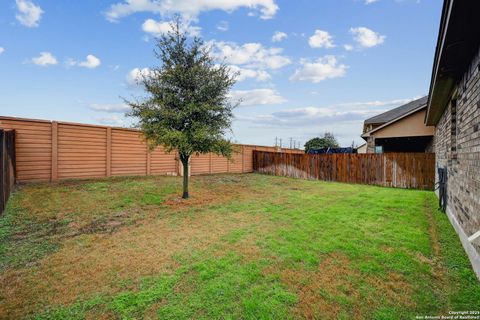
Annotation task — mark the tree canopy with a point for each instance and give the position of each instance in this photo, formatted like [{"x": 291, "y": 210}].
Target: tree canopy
[
  {"x": 186, "y": 107},
  {"x": 327, "y": 141}
]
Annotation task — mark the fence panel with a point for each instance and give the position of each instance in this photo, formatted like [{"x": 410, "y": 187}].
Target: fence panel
[
  {"x": 7, "y": 166},
  {"x": 81, "y": 151},
  {"x": 33, "y": 147},
  {"x": 399, "y": 170},
  {"x": 51, "y": 150}
]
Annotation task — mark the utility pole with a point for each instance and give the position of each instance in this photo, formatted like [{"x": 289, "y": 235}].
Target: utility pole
[
  {"x": 280, "y": 143},
  {"x": 276, "y": 142},
  {"x": 291, "y": 142}
]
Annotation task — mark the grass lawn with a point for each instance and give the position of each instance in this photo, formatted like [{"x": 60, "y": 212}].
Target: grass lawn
[{"x": 243, "y": 247}]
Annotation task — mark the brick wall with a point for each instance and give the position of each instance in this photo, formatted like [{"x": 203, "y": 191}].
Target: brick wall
[{"x": 459, "y": 151}]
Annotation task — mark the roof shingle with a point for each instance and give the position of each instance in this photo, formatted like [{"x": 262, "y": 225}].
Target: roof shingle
[{"x": 397, "y": 112}]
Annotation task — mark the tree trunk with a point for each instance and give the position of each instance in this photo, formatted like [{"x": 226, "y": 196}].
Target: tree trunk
[{"x": 185, "y": 177}]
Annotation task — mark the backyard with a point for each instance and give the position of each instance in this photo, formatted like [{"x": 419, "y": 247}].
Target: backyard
[{"x": 243, "y": 246}]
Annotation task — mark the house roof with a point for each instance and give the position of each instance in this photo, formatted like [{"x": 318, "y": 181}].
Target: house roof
[
  {"x": 399, "y": 112},
  {"x": 458, "y": 42},
  {"x": 410, "y": 111}
]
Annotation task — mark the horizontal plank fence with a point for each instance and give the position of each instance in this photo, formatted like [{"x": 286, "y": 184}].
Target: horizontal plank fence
[
  {"x": 54, "y": 150},
  {"x": 400, "y": 170},
  {"x": 7, "y": 166}
]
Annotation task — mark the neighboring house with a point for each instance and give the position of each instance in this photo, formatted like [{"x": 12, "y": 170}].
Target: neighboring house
[
  {"x": 399, "y": 130},
  {"x": 454, "y": 110},
  {"x": 362, "y": 148}
]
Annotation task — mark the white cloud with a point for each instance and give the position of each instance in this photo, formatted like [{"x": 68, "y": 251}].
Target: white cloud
[
  {"x": 134, "y": 77},
  {"x": 91, "y": 62},
  {"x": 2, "y": 50},
  {"x": 321, "y": 39},
  {"x": 114, "y": 108},
  {"x": 244, "y": 73},
  {"x": 44, "y": 59},
  {"x": 122, "y": 9},
  {"x": 223, "y": 26},
  {"x": 28, "y": 14},
  {"x": 187, "y": 8},
  {"x": 257, "y": 97},
  {"x": 252, "y": 55},
  {"x": 323, "y": 68},
  {"x": 309, "y": 113},
  {"x": 345, "y": 120},
  {"x": 348, "y": 47},
  {"x": 310, "y": 117},
  {"x": 157, "y": 28},
  {"x": 367, "y": 2},
  {"x": 114, "y": 120},
  {"x": 279, "y": 36},
  {"x": 375, "y": 104},
  {"x": 367, "y": 38}
]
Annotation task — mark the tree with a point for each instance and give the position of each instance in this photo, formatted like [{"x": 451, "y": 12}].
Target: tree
[
  {"x": 327, "y": 141},
  {"x": 186, "y": 107}
]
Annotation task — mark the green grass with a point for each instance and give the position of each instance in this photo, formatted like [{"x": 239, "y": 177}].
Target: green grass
[{"x": 243, "y": 247}]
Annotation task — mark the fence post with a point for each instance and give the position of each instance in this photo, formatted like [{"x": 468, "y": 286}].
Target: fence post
[
  {"x": 243, "y": 158},
  {"x": 109, "y": 152},
  {"x": 149, "y": 154},
  {"x": 2, "y": 171},
  {"x": 228, "y": 165},
  {"x": 54, "y": 169},
  {"x": 210, "y": 162}
]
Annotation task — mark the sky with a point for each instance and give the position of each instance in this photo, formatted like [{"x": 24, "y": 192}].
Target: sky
[{"x": 305, "y": 66}]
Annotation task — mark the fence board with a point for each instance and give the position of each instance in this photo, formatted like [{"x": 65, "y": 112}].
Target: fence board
[{"x": 399, "y": 170}]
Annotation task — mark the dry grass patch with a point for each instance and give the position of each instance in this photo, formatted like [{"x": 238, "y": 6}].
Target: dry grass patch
[
  {"x": 99, "y": 263},
  {"x": 334, "y": 290},
  {"x": 244, "y": 246}
]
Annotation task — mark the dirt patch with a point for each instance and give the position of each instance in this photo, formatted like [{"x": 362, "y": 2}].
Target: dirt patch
[
  {"x": 334, "y": 288},
  {"x": 210, "y": 191},
  {"x": 102, "y": 225}
]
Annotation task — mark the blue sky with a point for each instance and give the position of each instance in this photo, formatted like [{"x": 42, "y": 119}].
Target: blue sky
[{"x": 306, "y": 67}]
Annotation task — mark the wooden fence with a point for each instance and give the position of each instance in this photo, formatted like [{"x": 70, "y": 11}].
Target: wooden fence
[
  {"x": 7, "y": 166},
  {"x": 51, "y": 150},
  {"x": 400, "y": 170}
]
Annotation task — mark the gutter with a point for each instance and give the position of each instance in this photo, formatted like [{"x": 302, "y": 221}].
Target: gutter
[{"x": 446, "y": 12}]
